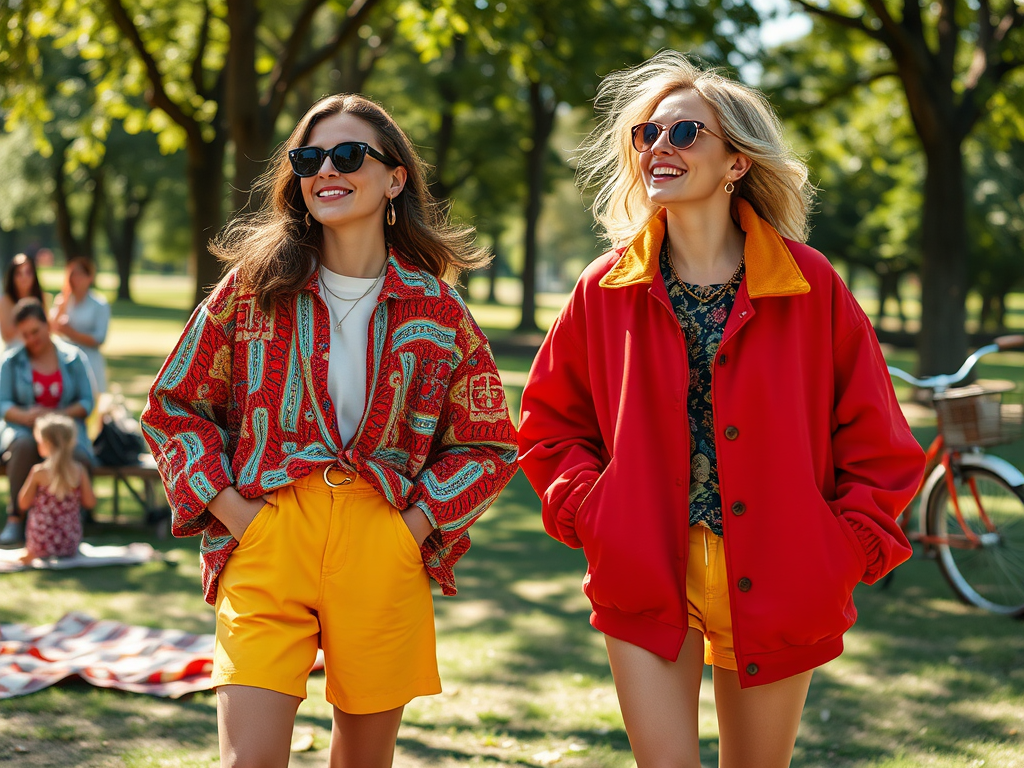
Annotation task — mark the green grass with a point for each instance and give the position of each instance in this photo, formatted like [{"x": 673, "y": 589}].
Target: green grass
[{"x": 924, "y": 681}]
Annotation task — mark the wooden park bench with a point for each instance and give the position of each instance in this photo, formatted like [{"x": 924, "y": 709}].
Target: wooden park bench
[{"x": 148, "y": 490}]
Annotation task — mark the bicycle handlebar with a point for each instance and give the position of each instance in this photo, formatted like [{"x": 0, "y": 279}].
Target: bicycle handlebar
[{"x": 945, "y": 380}]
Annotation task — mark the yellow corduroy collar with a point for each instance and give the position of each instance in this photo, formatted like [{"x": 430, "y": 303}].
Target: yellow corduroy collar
[{"x": 770, "y": 267}]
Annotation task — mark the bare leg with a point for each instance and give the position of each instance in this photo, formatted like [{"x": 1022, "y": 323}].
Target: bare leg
[
  {"x": 757, "y": 726},
  {"x": 255, "y": 726},
  {"x": 364, "y": 741},
  {"x": 659, "y": 701}
]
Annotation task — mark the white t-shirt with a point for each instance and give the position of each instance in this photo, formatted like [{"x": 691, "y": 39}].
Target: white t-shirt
[{"x": 346, "y": 368}]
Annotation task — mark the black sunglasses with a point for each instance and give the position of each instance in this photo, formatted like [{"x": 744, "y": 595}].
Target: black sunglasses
[
  {"x": 346, "y": 157},
  {"x": 681, "y": 135}
]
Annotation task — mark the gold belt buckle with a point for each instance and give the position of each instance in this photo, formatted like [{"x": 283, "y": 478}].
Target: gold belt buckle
[{"x": 345, "y": 481}]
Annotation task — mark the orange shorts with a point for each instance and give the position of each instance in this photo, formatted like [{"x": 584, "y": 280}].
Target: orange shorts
[
  {"x": 707, "y": 597},
  {"x": 335, "y": 568}
]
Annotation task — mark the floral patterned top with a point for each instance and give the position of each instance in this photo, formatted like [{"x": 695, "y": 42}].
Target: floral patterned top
[{"x": 703, "y": 324}]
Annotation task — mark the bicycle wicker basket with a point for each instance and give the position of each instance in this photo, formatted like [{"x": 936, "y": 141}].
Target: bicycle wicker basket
[{"x": 986, "y": 413}]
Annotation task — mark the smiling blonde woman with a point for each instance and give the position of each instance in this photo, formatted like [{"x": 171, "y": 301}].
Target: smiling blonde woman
[{"x": 711, "y": 420}]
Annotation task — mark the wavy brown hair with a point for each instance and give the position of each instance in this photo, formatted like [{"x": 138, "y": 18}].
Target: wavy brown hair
[{"x": 276, "y": 253}]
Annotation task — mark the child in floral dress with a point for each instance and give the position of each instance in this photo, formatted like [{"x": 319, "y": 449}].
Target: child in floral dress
[{"x": 54, "y": 492}]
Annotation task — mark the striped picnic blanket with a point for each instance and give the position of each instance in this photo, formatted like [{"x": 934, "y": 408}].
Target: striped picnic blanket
[{"x": 108, "y": 654}]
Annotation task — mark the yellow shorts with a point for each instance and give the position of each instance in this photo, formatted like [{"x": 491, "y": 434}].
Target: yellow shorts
[
  {"x": 335, "y": 568},
  {"x": 707, "y": 597}
]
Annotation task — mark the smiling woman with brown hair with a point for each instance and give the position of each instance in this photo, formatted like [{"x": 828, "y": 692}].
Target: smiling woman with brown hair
[
  {"x": 711, "y": 420},
  {"x": 332, "y": 423}
]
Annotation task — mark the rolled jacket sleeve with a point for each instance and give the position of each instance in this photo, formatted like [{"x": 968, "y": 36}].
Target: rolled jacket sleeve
[
  {"x": 474, "y": 453},
  {"x": 185, "y": 420},
  {"x": 559, "y": 436},
  {"x": 878, "y": 462}
]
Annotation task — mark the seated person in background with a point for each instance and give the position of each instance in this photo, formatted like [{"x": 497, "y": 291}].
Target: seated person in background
[
  {"x": 55, "y": 491},
  {"x": 20, "y": 282},
  {"x": 43, "y": 376},
  {"x": 81, "y": 316}
]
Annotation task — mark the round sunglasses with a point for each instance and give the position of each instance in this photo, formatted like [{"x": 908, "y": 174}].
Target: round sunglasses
[
  {"x": 346, "y": 157},
  {"x": 681, "y": 135}
]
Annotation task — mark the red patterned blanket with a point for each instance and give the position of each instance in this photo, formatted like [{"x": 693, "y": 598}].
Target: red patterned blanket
[{"x": 108, "y": 654}]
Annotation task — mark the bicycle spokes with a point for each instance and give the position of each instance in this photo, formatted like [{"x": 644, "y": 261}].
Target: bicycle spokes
[{"x": 976, "y": 522}]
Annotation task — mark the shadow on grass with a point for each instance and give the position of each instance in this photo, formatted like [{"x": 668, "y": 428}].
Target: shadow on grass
[
  {"x": 924, "y": 680},
  {"x": 511, "y": 549},
  {"x": 91, "y": 724},
  {"x": 922, "y": 675}
]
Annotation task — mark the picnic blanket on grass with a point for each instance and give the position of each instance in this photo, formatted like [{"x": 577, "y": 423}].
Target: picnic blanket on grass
[
  {"x": 107, "y": 654},
  {"x": 88, "y": 557}
]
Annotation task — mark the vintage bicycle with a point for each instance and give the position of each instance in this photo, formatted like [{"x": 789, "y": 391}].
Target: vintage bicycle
[{"x": 970, "y": 507}]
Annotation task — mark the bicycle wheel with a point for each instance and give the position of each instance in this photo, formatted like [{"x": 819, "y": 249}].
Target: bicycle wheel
[{"x": 989, "y": 571}]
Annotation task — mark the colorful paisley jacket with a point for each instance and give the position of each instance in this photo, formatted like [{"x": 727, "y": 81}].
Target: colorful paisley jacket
[{"x": 242, "y": 400}]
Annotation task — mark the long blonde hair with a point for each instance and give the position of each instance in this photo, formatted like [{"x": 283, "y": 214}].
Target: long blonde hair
[
  {"x": 59, "y": 433},
  {"x": 776, "y": 184},
  {"x": 276, "y": 251}
]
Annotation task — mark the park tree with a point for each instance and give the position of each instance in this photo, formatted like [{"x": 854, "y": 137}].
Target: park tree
[
  {"x": 450, "y": 85},
  {"x": 855, "y": 132},
  {"x": 216, "y": 76},
  {"x": 954, "y": 60},
  {"x": 26, "y": 201},
  {"x": 995, "y": 171},
  {"x": 99, "y": 176},
  {"x": 70, "y": 144},
  {"x": 136, "y": 174},
  {"x": 555, "y": 54}
]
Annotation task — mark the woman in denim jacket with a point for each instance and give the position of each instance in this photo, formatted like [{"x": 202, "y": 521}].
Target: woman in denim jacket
[{"x": 45, "y": 375}]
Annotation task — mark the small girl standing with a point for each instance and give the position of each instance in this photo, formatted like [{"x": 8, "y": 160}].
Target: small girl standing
[{"x": 55, "y": 491}]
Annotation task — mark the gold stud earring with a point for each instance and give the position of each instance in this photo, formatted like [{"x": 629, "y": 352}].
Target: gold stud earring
[
  {"x": 730, "y": 188},
  {"x": 392, "y": 217}
]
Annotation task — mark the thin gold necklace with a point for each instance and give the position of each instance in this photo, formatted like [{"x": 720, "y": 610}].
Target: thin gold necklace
[
  {"x": 355, "y": 301},
  {"x": 703, "y": 298}
]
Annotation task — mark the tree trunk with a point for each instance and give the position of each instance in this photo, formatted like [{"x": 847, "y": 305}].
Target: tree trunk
[
  {"x": 72, "y": 245},
  {"x": 942, "y": 342},
  {"x": 205, "y": 173},
  {"x": 542, "y": 113},
  {"x": 250, "y": 133},
  {"x": 89, "y": 239},
  {"x": 443, "y": 140},
  {"x": 62, "y": 211},
  {"x": 122, "y": 238},
  {"x": 492, "y": 272}
]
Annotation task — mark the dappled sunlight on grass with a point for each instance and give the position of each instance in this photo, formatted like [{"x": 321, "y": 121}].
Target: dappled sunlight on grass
[{"x": 924, "y": 681}]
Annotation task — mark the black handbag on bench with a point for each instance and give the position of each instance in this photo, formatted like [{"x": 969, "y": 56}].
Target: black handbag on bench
[{"x": 120, "y": 441}]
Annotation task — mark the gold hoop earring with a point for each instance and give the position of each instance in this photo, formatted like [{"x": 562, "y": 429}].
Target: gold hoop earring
[
  {"x": 308, "y": 220},
  {"x": 730, "y": 188},
  {"x": 392, "y": 217}
]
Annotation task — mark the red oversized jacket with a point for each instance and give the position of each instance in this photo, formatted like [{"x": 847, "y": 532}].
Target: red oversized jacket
[
  {"x": 243, "y": 400},
  {"x": 815, "y": 458}
]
